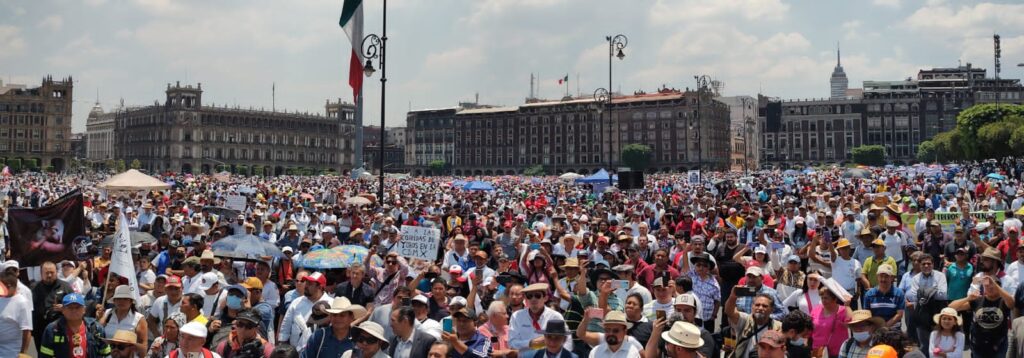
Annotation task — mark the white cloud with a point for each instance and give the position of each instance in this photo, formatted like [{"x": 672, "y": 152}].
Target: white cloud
[
  {"x": 52, "y": 23},
  {"x": 11, "y": 42},
  {"x": 95, "y": 2},
  {"x": 941, "y": 21},
  {"x": 675, "y": 12},
  {"x": 82, "y": 51},
  {"x": 895, "y": 4},
  {"x": 483, "y": 10}
]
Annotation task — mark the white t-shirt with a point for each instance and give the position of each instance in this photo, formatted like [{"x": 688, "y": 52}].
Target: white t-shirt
[
  {"x": 846, "y": 272},
  {"x": 157, "y": 310},
  {"x": 15, "y": 317},
  {"x": 800, "y": 301}
]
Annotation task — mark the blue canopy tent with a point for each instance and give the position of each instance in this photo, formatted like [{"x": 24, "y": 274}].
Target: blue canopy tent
[
  {"x": 598, "y": 177},
  {"x": 478, "y": 185}
]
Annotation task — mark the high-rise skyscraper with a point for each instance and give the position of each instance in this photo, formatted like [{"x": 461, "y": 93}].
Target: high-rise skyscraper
[{"x": 838, "y": 81}]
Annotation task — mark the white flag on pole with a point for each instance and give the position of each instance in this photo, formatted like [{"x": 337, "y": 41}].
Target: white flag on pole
[{"x": 121, "y": 256}]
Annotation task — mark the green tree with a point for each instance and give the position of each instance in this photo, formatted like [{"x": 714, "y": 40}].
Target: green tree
[
  {"x": 970, "y": 121},
  {"x": 438, "y": 166},
  {"x": 869, "y": 155},
  {"x": 947, "y": 144},
  {"x": 31, "y": 164},
  {"x": 119, "y": 166},
  {"x": 136, "y": 164},
  {"x": 927, "y": 152},
  {"x": 14, "y": 164},
  {"x": 1017, "y": 141},
  {"x": 536, "y": 170},
  {"x": 636, "y": 156},
  {"x": 994, "y": 137},
  {"x": 109, "y": 164}
]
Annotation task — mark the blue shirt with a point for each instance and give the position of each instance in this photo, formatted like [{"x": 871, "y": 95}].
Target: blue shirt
[
  {"x": 479, "y": 347},
  {"x": 884, "y": 305},
  {"x": 745, "y": 304},
  {"x": 958, "y": 281},
  {"x": 323, "y": 344}
]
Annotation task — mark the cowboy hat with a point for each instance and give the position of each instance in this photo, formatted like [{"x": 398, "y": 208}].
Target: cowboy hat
[
  {"x": 948, "y": 312},
  {"x": 859, "y": 316},
  {"x": 342, "y": 305},
  {"x": 683, "y": 334},
  {"x": 703, "y": 257},
  {"x": 616, "y": 317}
]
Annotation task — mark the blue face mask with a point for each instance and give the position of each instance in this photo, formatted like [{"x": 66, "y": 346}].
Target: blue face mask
[
  {"x": 798, "y": 342},
  {"x": 234, "y": 302}
]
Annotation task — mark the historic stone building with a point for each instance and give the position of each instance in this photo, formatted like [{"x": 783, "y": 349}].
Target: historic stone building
[
  {"x": 35, "y": 124},
  {"x": 99, "y": 134},
  {"x": 184, "y": 135},
  {"x": 577, "y": 135},
  {"x": 810, "y": 131}
]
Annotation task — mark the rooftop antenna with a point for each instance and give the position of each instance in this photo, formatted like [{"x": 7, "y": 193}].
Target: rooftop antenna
[
  {"x": 531, "y": 85},
  {"x": 578, "y": 93},
  {"x": 273, "y": 96}
]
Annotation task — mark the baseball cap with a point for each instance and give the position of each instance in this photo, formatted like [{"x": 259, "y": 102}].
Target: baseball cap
[
  {"x": 73, "y": 298},
  {"x": 421, "y": 299},
  {"x": 207, "y": 280},
  {"x": 885, "y": 269},
  {"x": 772, "y": 338},
  {"x": 685, "y": 299},
  {"x": 317, "y": 278},
  {"x": 754, "y": 270},
  {"x": 173, "y": 280},
  {"x": 252, "y": 283}
]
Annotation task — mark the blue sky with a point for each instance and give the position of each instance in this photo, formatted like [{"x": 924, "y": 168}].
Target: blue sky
[{"x": 444, "y": 51}]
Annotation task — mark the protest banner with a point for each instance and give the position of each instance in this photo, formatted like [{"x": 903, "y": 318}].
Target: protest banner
[
  {"x": 51, "y": 233},
  {"x": 235, "y": 202},
  {"x": 419, "y": 242},
  {"x": 949, "y": 219}
]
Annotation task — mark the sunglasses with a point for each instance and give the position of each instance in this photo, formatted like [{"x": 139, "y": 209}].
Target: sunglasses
[
  {"x": 121, "y": 347},
  {"x": 391, "y": 262},
  {"x": 534, "y": 295}
]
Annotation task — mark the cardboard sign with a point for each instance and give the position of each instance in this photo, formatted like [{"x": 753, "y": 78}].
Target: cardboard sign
[
  {"x": 949, "y": 220},
  {"x": 419, "y": 242},
  {"x": 235, "y": 202}
]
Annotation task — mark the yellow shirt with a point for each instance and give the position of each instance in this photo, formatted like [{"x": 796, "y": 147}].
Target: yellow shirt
[{"x": 201, "y": 319}]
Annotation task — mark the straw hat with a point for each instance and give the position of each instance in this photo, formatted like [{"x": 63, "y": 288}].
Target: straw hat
[
  {"x": 124, "y": 337},
  {"x": 342, "y": 304},
  {"x": 616, "y": 317},
  {"x": 375, "y": 330},
  {"x": 859, "y": 316},
  {"x": 683, "y": 334},
  {"x": 949, "y": 312}
]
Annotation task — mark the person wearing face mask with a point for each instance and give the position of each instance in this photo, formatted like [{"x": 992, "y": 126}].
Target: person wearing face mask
[
  {"x": 863, "y": 326},
  {"x": 797, "y": 326}
]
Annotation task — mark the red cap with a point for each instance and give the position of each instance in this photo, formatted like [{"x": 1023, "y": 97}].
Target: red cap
[
  {"x": 1013, "y": 229},
  {"x": 173, "y": 280},
  {"x": 316, "y": 277}
]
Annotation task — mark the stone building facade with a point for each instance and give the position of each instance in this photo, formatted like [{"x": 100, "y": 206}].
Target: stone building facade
[
  {"x": 572, "y": 135},
  {"x": 35, "y": 123},
  {"x": 183, "y": 135},
  {"x": 99, "y": 134}
]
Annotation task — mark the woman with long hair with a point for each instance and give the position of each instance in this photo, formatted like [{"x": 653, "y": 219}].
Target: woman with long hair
[
  {"x": 808, "y": 297},
  {"x": 947, "y": 340}
]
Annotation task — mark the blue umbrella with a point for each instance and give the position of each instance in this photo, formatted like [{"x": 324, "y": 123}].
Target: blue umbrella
[
  {"x": 478, "y": 185},
  {"x": 995, "y": 176},
  {"x": 791, "y": 172},
  {"x": 245, "y": 247}
]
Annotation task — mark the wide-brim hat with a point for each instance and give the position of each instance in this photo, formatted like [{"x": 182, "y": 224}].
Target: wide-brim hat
[
  {"x": 375, "y": 330},
  {"x": 683, "y": 334},
  {"x": 342, "y": 304},
  {"x": 208, "y": 255},
  {"x": 556, "y": 327},
  {"x": 949, "y": 312},
  {"x": 123, "y": 336},
  {"x": 894, "y": 208},
  {"x": 842, "y": 243},
  {"x": 859, "y": 316},
  {"x": 703, "y": 257},
  {"x": 993, "y": 254},
  {"x": 123, "y": 291},
  {"x": 616, "y": 317}
]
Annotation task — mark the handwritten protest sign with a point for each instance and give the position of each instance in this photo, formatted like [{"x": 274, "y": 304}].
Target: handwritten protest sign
[
  {"x": 235, "y": 202},
  {"x": 419, "y": 242}
]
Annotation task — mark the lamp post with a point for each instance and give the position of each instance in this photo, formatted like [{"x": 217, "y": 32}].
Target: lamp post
[
  {"x": 615, "y": 45},
  {"x": 601, "y": 99},
  {"x": 702, "y": 84},
  {"x": 374, "y": 48}
]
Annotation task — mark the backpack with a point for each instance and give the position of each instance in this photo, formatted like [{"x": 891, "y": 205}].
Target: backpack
[{"x": 927, "y": 306}]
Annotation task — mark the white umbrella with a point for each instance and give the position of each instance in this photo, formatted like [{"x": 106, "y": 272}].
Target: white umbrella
[
  {"x": 365, "y": 176},
  {"x": 357, "y": 200},
  {"x": 570, "y": 176}
]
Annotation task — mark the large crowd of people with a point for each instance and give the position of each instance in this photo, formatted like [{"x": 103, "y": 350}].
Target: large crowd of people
[{"x": 915, "y": 261}]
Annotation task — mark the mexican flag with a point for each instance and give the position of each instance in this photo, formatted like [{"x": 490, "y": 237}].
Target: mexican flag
[
  {"x": 352, "y": 21},
  {"x": 563, "y": 80}
]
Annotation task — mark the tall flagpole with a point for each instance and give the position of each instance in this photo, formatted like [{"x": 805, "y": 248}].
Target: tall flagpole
[{"x": 358, "y": 161}]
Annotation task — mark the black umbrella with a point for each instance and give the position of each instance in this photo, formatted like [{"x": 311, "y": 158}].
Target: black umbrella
[{"x": 137, "y": 237}]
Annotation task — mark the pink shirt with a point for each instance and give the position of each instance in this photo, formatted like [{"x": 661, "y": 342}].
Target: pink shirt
[{"x": 829, "y": 330}]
